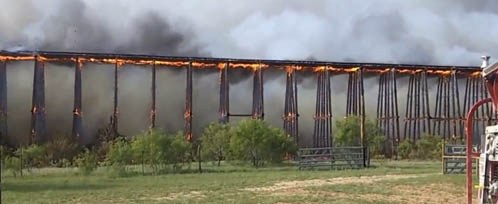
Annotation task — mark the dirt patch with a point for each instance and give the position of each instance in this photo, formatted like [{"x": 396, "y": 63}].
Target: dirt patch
[
  {"x": 433, "y": 193},
  {"x": 430, "y": 193},
  {"x": 333, "y": 181},
  {"x": 179, "y": 195}
]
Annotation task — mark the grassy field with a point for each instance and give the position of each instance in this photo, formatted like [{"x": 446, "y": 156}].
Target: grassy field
[{"x": 385, "y": 182}]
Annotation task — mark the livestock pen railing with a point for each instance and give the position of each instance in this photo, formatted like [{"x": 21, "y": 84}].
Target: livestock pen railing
[
  {"x": 453, "y": 159},
  {"x": 333, "y": 157}
]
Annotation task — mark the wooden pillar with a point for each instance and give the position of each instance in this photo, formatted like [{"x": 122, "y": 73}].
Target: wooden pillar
[
  {"x": 188, "y": 104},
  {"x": 3, "y": 102},
  {"x": 257, "y": 94},
  {"x": 224, "y": 107},
  {"x": 77, "y": 110},
  {"x": 38, "y": 122},
  {"x": 153, "y": 93},
  {"x": 290, "y": 107}
]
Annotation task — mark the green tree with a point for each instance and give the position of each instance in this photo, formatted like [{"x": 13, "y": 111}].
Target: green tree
[
  {"x": 86, "y": 162},
  {"x": 158, "y": 149},
  {"x": 349, "y": 134},
  {"x": 62, "y": 147},
  {"x": 120, "y": 155},
  {"x": 35, "y": 155},
  {"x": 180, "y": 150},
  {"x": 256, "y": 141},
  {"x": 427, "y": 147},
  {"x": 151, "y": 148},
  {"x": 216, "y": 141}
]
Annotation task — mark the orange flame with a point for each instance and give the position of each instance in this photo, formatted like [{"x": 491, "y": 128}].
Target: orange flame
[
  {"x": 16, "y": 58},
  {"x": 289, "y": 116},
  {"x": 152, "y": 114},
  {"x": 77, "y": 112},
  {"x": 476, "y": 74},
  {"x": 203, "y": 65},
  {"x": 187, "y": 114},
  {"x": 249, "y": 66},
  {"x": 439, "y": 72}
]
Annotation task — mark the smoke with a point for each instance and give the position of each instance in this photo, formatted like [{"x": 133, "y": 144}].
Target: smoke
[{"x": 388, "y": 31}]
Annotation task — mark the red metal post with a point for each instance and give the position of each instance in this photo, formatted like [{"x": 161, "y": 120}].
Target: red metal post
[{"x": 470, "y": 153}]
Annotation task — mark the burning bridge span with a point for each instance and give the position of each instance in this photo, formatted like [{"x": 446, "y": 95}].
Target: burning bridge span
[{"x": 444, "y": 116}]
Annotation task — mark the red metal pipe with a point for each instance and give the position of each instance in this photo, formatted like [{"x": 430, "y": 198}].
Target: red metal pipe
[{"x": 469, "y": 130}]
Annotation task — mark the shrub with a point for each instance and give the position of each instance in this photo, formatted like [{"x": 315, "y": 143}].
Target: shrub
[
  {"x": 255, "y": 141},
  {"x": 349, "y": 134},
  {"x": 12, "y": 164},
  {"x": 120, "y": 155},
  {"x": 151, "y": 148},
  {"x": 427, "y": 147},
  {"x": 86, "y": 162},
  {"x": 406, "y": 148},
  {"x": 216, "y": 141},
  {"x": 62, "y": 147},
  {"x": 35, "y": 155},
  {"x": 180, "y": 151}
]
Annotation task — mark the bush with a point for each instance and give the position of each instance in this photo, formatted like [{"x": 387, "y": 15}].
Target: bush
[
  {"x": 406, "y": 148},
  {"x": 62, "y": 147},
  {"x": 427, "y": 147},
  {"x": 180, "y": 151},
  {"x": 151, "y": 148},
  {"x": 12, "y": 164},
  {"x": 86, "y": 162},
  {"x": 349, "y": 134},
  {"x": 35, "y": 156},
  {"x": 216, "y": 141},
  {"x": 255, "y": 141},
  {"x": 120, "y": 155}
]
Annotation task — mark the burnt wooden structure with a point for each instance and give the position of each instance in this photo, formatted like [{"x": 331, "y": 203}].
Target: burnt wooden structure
[{"x": 442, "y": 117}]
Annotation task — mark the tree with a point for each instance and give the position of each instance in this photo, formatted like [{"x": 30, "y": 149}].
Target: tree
[
  {"x": 179, "y": 151},
  {"x": 119, "y": 156},
  {"x": 349, "y": 134},
  {"x": 256, "y": 141},
  {"x": 216, "y": 141},
  {"x": 157, "y": 149},
  {"x": 151, "y": 148}
]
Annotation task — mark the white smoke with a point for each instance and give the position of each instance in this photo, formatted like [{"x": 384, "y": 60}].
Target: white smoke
[{"x": 442, "y": 32}]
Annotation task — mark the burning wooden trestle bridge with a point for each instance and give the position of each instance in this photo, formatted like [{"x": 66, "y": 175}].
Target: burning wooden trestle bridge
[{"x": 446, "y": 120}]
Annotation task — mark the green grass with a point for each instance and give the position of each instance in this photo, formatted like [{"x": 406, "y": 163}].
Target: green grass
[{"x": 230, "y": 183}]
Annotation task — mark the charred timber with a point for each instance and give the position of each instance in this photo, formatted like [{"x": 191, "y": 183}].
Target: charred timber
[
  {"x": 322, "y": 131},
  {"x": 447, "y": 114},
  {"x": 188, "y": 104},
  {"x": 38, "y": 118},
  {"x": 387, "y": 111},
  {"x": 290, "y": 107},
  {"x": 3, "y": 102},
  {"x": 257, "y": 95},
  {"x": 71, "y": 56},
  {"x": 78, "y": 106},
  {"x": 417, "y": 114},
  {"x": 224, "y": 95},
  {"x": 153, "y": 93}
]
